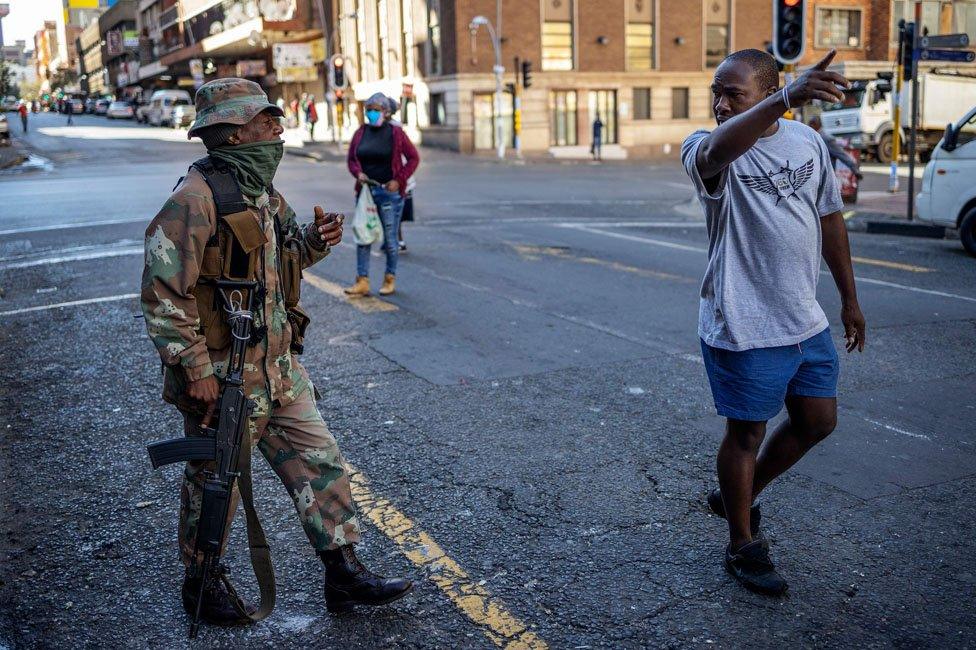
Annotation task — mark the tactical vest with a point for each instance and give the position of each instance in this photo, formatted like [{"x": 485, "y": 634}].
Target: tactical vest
[{"x": 234, "y": 253}]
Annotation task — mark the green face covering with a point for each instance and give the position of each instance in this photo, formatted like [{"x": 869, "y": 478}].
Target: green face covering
[{"x": 254, "y": 163}]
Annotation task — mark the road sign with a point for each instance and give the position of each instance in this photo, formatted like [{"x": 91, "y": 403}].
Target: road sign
[
  {"x": 956, "y": 56},
  {"x": 945, "y": 40}
]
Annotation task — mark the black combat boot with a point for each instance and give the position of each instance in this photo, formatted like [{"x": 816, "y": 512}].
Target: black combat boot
[
  {"x": 348, "y": 582},
  {"x": 219, "y": 607}
]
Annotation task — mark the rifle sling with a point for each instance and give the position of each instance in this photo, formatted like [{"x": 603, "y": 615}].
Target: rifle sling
[{"x": 256, "y": 541}]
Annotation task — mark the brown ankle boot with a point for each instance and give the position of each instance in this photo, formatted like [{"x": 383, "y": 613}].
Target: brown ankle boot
[
  {"x": 389, "y": 285},
  {"x": 360, "y": 287}
]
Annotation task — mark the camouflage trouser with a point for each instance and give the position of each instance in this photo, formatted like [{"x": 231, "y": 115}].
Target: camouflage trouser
[{"x": 298, "y": 445}]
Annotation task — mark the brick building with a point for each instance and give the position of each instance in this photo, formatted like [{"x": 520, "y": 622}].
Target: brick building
[{"x": 643, "y": 65}]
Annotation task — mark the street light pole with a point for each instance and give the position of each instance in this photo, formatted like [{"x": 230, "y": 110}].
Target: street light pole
[{"x": 499, "y": 70}]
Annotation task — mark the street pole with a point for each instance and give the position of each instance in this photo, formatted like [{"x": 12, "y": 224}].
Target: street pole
[
  {"x": 499, "y": 70},
  {"x": 517, "y": 112},
  {"x": 912, "y": 143},
  {"x": 896, "y": 133},
  {"x": 327, "y": 57}
]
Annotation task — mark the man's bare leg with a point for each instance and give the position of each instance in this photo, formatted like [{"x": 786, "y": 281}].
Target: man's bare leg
[{"x": 736, "y": 466}]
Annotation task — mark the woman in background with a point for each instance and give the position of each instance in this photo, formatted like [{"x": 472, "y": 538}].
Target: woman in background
[{"x": 382, "y": 159}]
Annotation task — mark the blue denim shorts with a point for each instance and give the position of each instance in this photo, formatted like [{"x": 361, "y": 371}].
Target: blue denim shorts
[{"x": 753, "y": 384}]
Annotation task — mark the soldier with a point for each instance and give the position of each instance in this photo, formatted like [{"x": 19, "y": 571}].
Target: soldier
[{"x": 225, "y": 220}]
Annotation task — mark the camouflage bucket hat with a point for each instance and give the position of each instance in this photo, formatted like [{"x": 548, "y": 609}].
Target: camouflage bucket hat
[{"x": 229, "y": 101}]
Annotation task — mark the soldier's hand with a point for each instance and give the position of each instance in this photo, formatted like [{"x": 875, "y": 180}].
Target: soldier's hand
[
  {"x": 329, "y": 226},
  {"x": 204, "y": 390},
  {"x": 817, "y": 83}
]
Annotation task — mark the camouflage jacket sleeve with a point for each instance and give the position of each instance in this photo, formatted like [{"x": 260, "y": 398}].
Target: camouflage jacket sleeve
[
  {"x": 175, "y": 240},
  {"x": 313, "y": 248}
]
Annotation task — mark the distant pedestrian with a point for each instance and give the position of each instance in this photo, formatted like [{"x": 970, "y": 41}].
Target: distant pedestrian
[
  {"x": 293, "y": 106},
  {"x": 69, "y": 107},
  {"x": 311, "y": 117},
  {"x": 834, "y": 148},
  {"x": 772, "y": 209},
  {"x": 596, "y": 149},
  {"x": 22, "y": 109},
  {"x": 382, "y": 159}
]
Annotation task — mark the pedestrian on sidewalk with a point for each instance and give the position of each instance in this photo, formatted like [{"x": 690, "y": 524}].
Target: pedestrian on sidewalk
[
  {"x": 770, "y": 198},
  {"x": 596, "y": 149},
  {"x": 311, "y": 117},
  {"x": 382, "y": 158},
  {"x": 69, "y": 106},
  {"x": 834, "y": 148},
  {"x": 293, "y": 107},
  {"x": 411, "y": 184},
  {"x": 225, "y": 221},
  {"x": 22, "y": 109}
]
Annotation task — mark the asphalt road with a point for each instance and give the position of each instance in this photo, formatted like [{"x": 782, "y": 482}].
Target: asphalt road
[{"x": 529, "y": 418}]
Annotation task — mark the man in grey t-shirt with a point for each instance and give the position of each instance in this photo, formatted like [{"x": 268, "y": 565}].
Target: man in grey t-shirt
[{"x": 773, "y": 208}]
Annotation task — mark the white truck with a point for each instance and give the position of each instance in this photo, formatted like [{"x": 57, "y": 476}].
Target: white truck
[{"x": 865, "y": 117}]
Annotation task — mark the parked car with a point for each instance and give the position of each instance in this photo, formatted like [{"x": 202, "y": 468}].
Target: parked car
[
  {"x": 75, "y": 106},
  {"x": 101, "y": 106},
  {"x": 162, "y": 103},
  {"x": 10, "y": 103},
  {"x": 90, "y": 104},
  {"x": 4, "y": 130},
  {"x": 120, "y": 110},
  {"x": 948, "y": 195}
]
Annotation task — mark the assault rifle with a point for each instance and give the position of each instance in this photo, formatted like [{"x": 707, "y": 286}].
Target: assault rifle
[{"x": 221, "y": 444}]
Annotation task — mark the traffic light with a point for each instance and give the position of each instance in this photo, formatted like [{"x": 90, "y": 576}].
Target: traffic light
[
  {"x": 338, "y": 72},
  {"x": 789, "y": 30},
  {"x": 526, "y": 74},
  {"x": 907, "y": 50}
]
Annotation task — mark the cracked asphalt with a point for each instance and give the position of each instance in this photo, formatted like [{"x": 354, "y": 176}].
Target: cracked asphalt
[{"x": 534, "y": 404}]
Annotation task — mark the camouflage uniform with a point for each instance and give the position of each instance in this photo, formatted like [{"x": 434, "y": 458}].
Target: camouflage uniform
[{"x": 285, "y": 425}]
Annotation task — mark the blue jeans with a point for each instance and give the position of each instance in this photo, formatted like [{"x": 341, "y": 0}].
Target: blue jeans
[{"x": 390, "y": 207}]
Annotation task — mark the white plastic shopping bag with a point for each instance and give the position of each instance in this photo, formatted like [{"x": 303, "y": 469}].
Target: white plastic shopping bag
[{"x": 366, "y": 225}]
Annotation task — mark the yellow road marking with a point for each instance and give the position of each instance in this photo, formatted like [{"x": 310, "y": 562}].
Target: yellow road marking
[
  {"x": 368, "y": 305},
  {"x": 891, "y": 265},
  {"x": 488, "y": 613},
  {"x": 533, "y": 253}
]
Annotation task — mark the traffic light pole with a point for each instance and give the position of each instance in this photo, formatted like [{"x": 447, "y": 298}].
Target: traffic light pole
[{"x": 517, "y": 112}]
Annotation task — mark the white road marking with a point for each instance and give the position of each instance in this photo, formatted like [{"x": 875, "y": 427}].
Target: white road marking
[
  {"x": 633, "y": 224},
  {"x": 905, "y": 287},
  {"x": 76, "y": 257},
  {"x": 66, "y": 226},
  {"x": 72, "y": 303},
  {"x": 897, "y": 430},
  {"x": 643, "y": 240}
]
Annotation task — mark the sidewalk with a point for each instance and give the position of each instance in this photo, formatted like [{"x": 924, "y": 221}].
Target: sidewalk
[{"x": 883, "y": 212}]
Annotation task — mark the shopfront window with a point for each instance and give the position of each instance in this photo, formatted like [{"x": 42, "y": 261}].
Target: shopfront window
[
  {"x": 484, "y": 121},
  {"x": 562, "y": 117}
]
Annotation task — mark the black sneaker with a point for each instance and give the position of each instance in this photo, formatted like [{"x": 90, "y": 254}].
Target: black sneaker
[
  {"x": 715, "y": 505},
  {"x": 751, "y": 566}
]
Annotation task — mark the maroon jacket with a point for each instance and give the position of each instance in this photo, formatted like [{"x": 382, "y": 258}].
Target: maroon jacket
[{"x": 402, "y": 149}]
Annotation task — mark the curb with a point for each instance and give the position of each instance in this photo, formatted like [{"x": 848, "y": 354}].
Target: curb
[{"x": 906, "y": 229}]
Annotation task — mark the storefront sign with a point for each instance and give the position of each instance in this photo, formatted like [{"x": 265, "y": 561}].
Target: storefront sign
[
  {"x": 294, "y": 62},
  {"x": 130, "y": 39},
  {"x": 252, "y": 68},
  {"x": 113, "y": 42}
]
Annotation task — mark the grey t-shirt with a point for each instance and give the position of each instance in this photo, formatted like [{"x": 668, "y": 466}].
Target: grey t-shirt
[{"x": 763, "y": 219}]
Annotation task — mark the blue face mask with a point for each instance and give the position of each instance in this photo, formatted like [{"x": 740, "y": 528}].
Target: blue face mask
[{"x": 374, "y": 117}]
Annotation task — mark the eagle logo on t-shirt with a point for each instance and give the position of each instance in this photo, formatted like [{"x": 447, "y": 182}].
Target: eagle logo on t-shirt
[{"x": 782, "y": 184}]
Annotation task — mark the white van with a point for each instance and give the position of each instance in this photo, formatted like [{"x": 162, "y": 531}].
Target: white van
[
  {"x": 163, "y": 102},
  {"x": 948, "y": 196}
]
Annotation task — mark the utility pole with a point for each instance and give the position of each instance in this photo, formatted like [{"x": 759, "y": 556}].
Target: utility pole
[
  {"x": 499, "y": 70},
  {"x": 896, "y": 132},
  {"x": 913, "y": 136}
]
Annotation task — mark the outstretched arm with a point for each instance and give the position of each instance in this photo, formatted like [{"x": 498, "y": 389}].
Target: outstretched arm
[
  {"x": 837, "y": 254},
  {"x": 737, "y": 135}
]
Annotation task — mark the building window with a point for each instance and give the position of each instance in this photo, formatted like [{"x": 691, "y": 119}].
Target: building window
[
  {"x": 640, "y": 35},
  {"x": 484, "y": 120},
  {"x": 557, "y": 35},
  {"x": 433, "y": 37},
  {"x": 562, "y": 118},
  {"x": 642, "y": 103},
  {"x": 716, "y": 32},
  {"x": 438, "y": 109},
  {"x": 382, "y": 33},
  {"x": 603, "y": 103},
  {"x": 679, "y": 103},
  {"x": 838, "y": 28}
]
